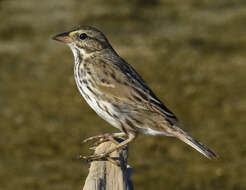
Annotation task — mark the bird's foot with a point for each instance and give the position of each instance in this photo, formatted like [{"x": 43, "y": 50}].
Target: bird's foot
[
  {"x": 97, "y": 137},
  {"x": 114, "y": 138},
  {"x": 95, "y": 157},
  {"x": 103, "y": 157},
  {"x": 104, "y": 138}
]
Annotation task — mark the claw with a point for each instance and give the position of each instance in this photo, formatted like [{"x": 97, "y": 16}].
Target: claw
[
  {"x": 79, "y": 157},
  {"x": 103, "y": 136},
  {"x": 95, "y": 157},
  {"x": 107, "y": 137},
  {"x": 98, "y": 142},
  {"x": 93, "y": 147},
  {"x": 102, "y": 140},
  {"x": 87, "y": 139}
]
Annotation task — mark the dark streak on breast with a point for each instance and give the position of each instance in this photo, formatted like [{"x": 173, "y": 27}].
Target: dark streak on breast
[
  {"x": 114, "y": 115},
  {"x": 91, "y": 90},
  {"x": 84, "y": 81},
  {"x": 106, "y": 109},
  {"x": 91, "y": 83},
  {"x": 99, "y": 105},
  {"x": 86, "y": 95}
]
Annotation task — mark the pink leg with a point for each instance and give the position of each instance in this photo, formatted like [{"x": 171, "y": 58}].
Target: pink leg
[{"x": 104, "y": 137}]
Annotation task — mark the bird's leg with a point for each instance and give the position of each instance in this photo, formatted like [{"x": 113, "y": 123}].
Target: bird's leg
[
  {"x": 105, "y": 137},
  {"x": 121, "y": 145}
]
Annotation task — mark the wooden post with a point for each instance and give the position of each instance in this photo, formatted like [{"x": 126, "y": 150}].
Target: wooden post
[{"x": 103, "y": 175}]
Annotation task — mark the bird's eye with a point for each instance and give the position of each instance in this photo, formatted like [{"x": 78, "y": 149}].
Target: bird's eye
[{"x": 82, "y": 36}]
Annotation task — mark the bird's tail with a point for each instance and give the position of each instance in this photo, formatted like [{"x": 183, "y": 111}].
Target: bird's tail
[{"x": 183, "y": 136}]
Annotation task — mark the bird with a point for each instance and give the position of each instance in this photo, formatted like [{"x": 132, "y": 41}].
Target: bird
[{"x": 118, "y": 94}]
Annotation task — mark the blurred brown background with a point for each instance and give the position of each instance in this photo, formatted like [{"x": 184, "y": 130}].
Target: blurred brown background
[{"x": 191, "y": 53}]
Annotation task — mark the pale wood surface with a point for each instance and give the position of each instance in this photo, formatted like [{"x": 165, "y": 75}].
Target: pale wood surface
[{"x": 103, "y": 175}]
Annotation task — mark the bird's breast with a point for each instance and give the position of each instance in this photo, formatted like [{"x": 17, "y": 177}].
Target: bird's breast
[{"x": 87, "y": 89}]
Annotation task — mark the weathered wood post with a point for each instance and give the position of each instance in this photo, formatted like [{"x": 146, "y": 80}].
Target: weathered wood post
[{"x": 103, "y": 175}]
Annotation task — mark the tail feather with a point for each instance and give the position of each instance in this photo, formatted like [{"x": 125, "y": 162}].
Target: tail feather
[{"x": 183, "y": 136}]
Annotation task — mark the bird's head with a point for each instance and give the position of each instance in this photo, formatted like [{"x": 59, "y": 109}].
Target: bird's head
[{"x": 84, "y": 39}]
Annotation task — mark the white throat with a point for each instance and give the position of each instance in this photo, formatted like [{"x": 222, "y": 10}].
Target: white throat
[{"x": 76, "y": 52}]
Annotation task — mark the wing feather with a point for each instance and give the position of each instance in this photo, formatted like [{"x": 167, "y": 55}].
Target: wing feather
[{"x": 123, "y": 81}]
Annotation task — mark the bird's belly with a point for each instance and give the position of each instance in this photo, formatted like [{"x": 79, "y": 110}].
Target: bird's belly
[{"x": 98, "y": 106}]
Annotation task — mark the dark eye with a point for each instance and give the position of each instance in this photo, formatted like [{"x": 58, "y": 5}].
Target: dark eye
[{"x": 82, "y": 36}]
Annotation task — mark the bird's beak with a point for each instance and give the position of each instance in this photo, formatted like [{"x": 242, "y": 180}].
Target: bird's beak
[{"x": 64, "y": 37}]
